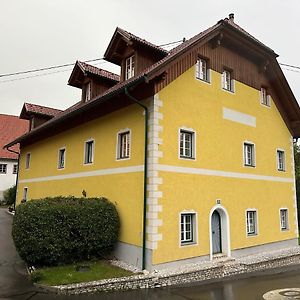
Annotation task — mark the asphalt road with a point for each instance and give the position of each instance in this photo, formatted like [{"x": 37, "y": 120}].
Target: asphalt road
[{"x": 15, "y": 283}]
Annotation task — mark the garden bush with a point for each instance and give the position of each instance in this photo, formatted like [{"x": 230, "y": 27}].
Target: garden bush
[
  {"x": 9, "y": 195},
  {"x": 61, "y": 230}
]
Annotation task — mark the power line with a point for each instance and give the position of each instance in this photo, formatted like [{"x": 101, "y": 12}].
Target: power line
[
  {"x": 46, "y": 68},
  {"x": 44, "y": 74},
  {"x": 171, "y": 43},
  {"x": 291, "y": 70},
  {"x": 290, "y": 66}
]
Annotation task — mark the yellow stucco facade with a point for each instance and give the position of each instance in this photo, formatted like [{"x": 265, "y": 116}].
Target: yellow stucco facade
[{"x": 216, "y": 177}]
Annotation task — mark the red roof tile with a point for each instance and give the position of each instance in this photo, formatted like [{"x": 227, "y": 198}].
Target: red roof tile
[
  {"x": 41, "y": 110},
  {"x": 11, "y": 127},
  {"x": 99, "y": 72}
]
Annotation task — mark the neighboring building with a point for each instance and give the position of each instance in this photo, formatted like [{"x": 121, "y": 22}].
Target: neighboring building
[
  {"x": 220, "y": 173},
  {"x": 11, "y": 127}
]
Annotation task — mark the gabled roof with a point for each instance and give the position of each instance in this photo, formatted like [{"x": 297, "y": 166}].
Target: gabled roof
[
  {"x": 158, "y": 68},
  {"x": 11, "y": 127},
  {"x": 82, "y": 68},
  {"x": 129, "y": 38},
  {"x": 30, "y": 109}
]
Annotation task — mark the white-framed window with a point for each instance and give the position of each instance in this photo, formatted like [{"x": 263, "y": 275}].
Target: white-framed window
[
  {"x": 25, "y": 194},
  {"x": 202, "y": 70},
  {"x": 61, "y": 158},
  {"x": 89, "y": 152},
  {"x": 227, "y": 81},
  {"x": 3, "y": 168},
  {"x": 284, "y": 219},
  {"x": 15, "y": 169},
  {"x": 186, "y": 144},
  {"x": 123, "y": 151},
  {"x": 87, "y": 92},
  {"x": 187, "y": 228},
  {"x": 27, "y": 160},
  {"x": 264, "y": 97},
  {"x": 280, "y": 160},
  {"x": 251, "y": 222},
  {"x": 249, "y": 154},
  {"x": 129, "y": 67}
]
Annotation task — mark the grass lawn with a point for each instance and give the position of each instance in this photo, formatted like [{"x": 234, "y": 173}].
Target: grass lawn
[{"x": 68, "y": 274}]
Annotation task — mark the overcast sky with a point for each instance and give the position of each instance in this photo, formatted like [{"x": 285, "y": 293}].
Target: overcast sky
[{"x": 40, "y": 33}]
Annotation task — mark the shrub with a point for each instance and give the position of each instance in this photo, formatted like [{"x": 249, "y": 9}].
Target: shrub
[
  {"x": 62, "y": 230},
  {"x": 10, "y": 195}
]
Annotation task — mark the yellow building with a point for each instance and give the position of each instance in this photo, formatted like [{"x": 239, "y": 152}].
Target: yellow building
[{"x": 218, "y": 174}]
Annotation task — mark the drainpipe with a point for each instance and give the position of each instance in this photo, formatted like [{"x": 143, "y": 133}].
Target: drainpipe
[
  {"x": 17, "y": 178},
  {"x": 145, "y": 175}
]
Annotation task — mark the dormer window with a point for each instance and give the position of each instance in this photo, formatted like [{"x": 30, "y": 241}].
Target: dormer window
[
  {"x": 129, "y": 67},
  {"x": 86, "y": 92}
]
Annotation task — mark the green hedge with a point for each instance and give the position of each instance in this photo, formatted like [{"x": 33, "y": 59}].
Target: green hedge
[{"x": 61, "y": 230}]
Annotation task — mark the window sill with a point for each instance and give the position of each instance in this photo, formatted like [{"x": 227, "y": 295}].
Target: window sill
[
  {"x": 187, "y": 158},
  {"x": 251, "y": 234},
  {"x": 281, "y": 170},
  {"x": 204, "y": 81},
  {"x": 251, "y": 166},
  {"x": 228, "y": 91},
  {"x": 188, "y": 244}
]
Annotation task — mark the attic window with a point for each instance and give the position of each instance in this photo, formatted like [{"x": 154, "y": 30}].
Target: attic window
[
  {"x": 86, "y": 92},
  {"x": 129, "y": 67}
]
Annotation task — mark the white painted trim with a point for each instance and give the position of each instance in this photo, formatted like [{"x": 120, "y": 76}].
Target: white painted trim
[
  {"x": 194, "y": 140},
  {"x": 62, "y": 148},
  {"x": 256, "y": 222},
  {"x": 101, "y": 172},
  {"x": 254, "y": 154},
  {"x": 225, "y": 235},
  {"x": 288, "y": 219},
  {"x": 209, "y": 81},
  {"x": 277, "y": 160},
  {"x": 195, "y": 233},
  {"x": 208, "y": 172},
  {"x": 118, "y": 158},
  {"x": 239, "y": 117},
  {"x": 93, "y": 151},
  {"x": 268, "y": 98},
  {"x": 232, "y": 82}
]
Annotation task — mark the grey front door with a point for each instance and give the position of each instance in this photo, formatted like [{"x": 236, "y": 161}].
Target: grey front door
[{"x": 216, "y": 232}]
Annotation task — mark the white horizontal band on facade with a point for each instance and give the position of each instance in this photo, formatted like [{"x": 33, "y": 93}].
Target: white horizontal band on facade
[
  {"x": 236, "y": 116},
  {"x": 101, "y": 172},
  {"x": 207, "y": 172},
  {"x": 160, "y": 167}
]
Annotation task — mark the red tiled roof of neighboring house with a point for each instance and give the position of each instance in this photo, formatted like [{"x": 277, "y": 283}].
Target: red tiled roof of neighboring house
[
  {"x": 30, "y": 108},
  {"x": 150, "y": 72},
  {"x": 11, "y": 127},
  {"x": 99, "y": 72}
]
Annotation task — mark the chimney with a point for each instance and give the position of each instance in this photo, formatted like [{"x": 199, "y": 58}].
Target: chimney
[{"x": 231, "y": 18}]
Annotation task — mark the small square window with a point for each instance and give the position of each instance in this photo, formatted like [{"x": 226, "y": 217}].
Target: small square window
[
  {"x": 3, "y": 168},
  {"x": 15, "y": 169},
  {"x": 227, "y": 81},
  {"x": 124, "y": 145},
  {"x": 129, "y": 67},
  {"x": 251, "y": 222},
  {"x": 186, "y": 144},
  {"x": 61, "y": 158},
  {"x": 264, "y": 97},
  {"x": 187, "y": 228},
  {"x": 202, "y": 71},
  {"x": 249, "y": 155},
  {"x": 27, "y": 162},
  {"x": 283, "y": 219},
  {"x": 89, "y": 152},
  {"x": 280, "y": 160}
]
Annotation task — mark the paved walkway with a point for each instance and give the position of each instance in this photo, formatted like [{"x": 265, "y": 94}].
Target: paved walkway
[{"x": 14, "y": 280}]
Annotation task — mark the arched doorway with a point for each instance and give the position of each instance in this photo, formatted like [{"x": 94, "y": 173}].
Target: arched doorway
[
  {"x": 219, "y": 231},
  {"x": 216, "y": 233}
]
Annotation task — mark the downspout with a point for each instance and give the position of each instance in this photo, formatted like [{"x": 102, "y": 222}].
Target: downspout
[
  {"x": 17, "y": 178},
  {"x": 145, "y": 175}
]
